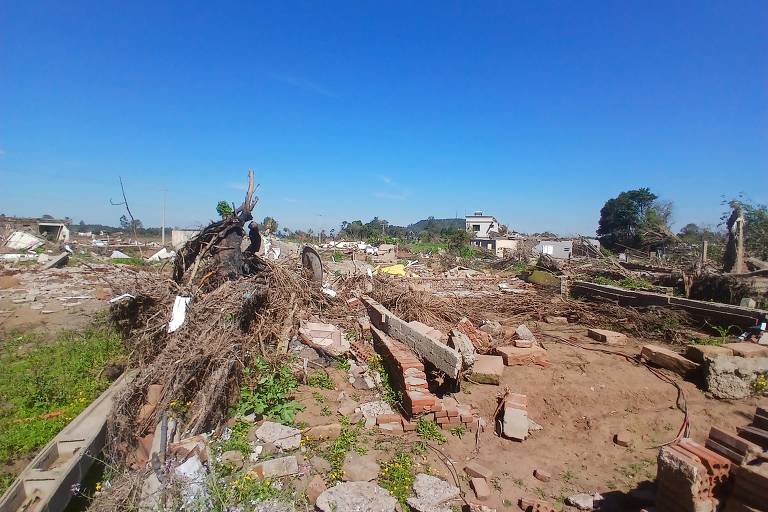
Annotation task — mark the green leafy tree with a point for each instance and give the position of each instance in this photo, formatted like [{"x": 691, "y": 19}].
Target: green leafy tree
[
  {"x": 224, "y": 209},
  {"x": 634, "y": 219},
  {"x": 129, "y": 225},
  {"x": 270, "y": 224}
]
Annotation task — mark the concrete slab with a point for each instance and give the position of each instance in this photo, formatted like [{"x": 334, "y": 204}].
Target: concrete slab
[
  {"x": 698, "y": 353},
  {"x": 607, "y": 337},
  {"x": 747, "y": 349},
  {"x": 488, "y": 369},
  {"x": 668, "y": 359}
]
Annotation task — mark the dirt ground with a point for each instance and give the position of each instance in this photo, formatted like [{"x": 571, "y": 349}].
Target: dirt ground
[{"x": 581, "y": 400}]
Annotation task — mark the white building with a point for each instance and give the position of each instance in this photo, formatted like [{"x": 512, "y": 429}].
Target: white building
[{"x": 481, "y": 226}]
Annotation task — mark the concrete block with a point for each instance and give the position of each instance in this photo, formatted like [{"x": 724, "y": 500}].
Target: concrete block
[
  {"x": 481, "y": 488},
  {"x": 731, "y": 377},
  {"x": 515, "y": 424},
  {"x": 488, "y": 369},
  {"x": 668, "y": 359},
  {"x": 476, "y": 470},
  {"x": 607, "y": 337},
  {"x": 275, "y": 468},
  {"x": 748, "y": 349},
  {"x": 515, "y": 356},
  {"x": 556, "y": 320},
  {"x": 698, "y": 353}
]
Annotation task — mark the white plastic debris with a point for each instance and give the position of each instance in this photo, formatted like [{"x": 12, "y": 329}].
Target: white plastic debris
[
  {"x": 68, "y": 249},
  {"x": 162, "y": 254},
  {"x": 193, "y": 471},
  {"x": 329, "y": 291},
  {"x": 179, "y": 313},
  {"x": 122, "y": 297},
  {"x": 118, "y": 255}
]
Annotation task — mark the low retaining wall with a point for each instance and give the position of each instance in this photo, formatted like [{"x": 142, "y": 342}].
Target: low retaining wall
[{"x": 716, "y": 313}]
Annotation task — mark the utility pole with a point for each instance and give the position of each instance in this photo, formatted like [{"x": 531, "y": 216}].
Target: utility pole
[{"x": 162, "y": 229}]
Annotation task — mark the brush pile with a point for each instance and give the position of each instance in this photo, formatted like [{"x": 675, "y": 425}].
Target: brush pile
[{"x": 241, "y": 306}]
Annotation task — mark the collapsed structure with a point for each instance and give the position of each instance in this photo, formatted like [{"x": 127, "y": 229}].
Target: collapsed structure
[{"x": 199, "y": 339}]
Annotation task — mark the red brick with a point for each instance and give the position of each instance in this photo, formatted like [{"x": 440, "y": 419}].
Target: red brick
[
  {"x": 442, "y": 421},
  {"x": 466, "y": 418},
  {"x": 388, "y": 418},
  {"x": 408, "y": 426},
  {"x": 516, "y": 401},
  {"x": 514, "y": 356}
]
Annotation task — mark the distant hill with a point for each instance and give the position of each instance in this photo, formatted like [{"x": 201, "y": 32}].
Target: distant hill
[{"x": 437, "y": 225}]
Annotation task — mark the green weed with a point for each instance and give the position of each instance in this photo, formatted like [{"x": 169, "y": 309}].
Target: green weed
[
  {"x": 238, "y": 439},
  {"x": 135, "y": 262},
  {"x": 397, "y": 477},
  {"x": 268, "y": 391},
  {"x": 389, "y": 393},
  {"x": 430, "y": 431},
  {"x": 346, "y": 441},
  {"x": 458, "y": 431},
  {"x": 320, "y": 379}
]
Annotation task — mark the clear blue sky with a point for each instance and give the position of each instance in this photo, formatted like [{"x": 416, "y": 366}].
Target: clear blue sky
[{"x": 536, "y": 112}]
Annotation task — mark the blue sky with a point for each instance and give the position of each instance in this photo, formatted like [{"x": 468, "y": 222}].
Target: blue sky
[{"x": 536, "y": 112}]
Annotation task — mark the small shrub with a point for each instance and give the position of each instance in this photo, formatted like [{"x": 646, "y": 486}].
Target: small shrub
[{"x": 760, "y": 385}]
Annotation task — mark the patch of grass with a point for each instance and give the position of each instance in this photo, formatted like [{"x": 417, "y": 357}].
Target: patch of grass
[
  {"x": 419, "y": 247},
  {"x": 430, "y": 431},
  {"x": 269, "y": 391},
  {"x": 338, "y": 449},
  {"x": 337, "y": 256},
  {"x": 6, "y": 479},
  {"x": 389, "y": 393},
  {"x": 397, "y": 477},
  {"x": 458, "y": 431},
  {"x": 43, "y": 386},
  {"x": 707, "y": 341},
  {"x": 568, "y": 476},
  {"x": 135, "y": 262},
  {"x": 238, "y": 491},
  {"x": 320, "y": 379}
]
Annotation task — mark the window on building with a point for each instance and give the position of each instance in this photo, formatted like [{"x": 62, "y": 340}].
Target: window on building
[
  {"x": 548, "y": 249},
  {"x": 475, "y": 227}
]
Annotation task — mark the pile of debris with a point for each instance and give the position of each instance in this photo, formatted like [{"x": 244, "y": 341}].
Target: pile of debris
[{"x": 729, "y": 473}]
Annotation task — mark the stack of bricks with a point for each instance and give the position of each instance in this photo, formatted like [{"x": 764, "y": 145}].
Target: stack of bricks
[
  {"x": 452, "y": 414},
  {"x": 691, "y": 478},
  {"x": 408, "y": 374},
  {"x": 747, "y": 451}
]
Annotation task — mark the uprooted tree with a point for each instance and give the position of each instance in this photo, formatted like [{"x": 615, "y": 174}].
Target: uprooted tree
[{"x": 239, "y": 307}]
